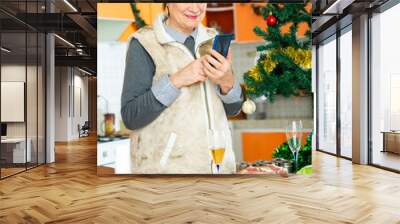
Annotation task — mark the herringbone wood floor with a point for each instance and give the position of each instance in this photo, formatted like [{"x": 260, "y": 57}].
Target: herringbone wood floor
[{"x": 70, "y": 192}]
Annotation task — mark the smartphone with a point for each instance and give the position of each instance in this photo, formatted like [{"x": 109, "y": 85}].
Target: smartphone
[{"x": 221, "y": 43}]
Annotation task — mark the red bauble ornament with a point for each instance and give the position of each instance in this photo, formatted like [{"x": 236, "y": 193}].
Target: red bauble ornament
[{"x": 271, "y": 20}]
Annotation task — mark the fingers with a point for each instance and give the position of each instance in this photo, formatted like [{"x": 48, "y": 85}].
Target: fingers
[
  {"x": 200, "y": 75},
  {"x": 193, "y": 74},
  {"x": 202, "y": 78},
  {"x": 210, "y": 71},
  {"x": 213, "y": 61},
  {"x": 199, "y": 78},
  {"x": 218, "y": 56},
  {"x": 209, "y": 74},
  {"x": 214, "y": 77},
  {"x": 199, "y": 70},
  {"x": 225, "y": 64},
  {"x": 229, "y": 56}
]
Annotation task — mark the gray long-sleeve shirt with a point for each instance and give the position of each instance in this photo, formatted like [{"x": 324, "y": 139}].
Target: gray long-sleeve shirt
[{"x": 142, "y": 101}]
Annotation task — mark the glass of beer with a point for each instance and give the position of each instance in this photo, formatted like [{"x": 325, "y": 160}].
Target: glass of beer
[{"x": 216, "y": 145}]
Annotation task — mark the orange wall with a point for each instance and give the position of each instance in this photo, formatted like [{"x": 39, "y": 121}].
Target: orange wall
[
  {"x": 124, "y": 11},
  {"x": 245, "y": 21},
  {"x": 148, "y": 11},
  {"x": 261, "y": 145},
  {"x": 114, "y": 11}
]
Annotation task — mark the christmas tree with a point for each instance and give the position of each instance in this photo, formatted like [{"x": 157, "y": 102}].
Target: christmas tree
[
  {"x": 284, "y": 65},
  {"x": 138, "y": 19}
]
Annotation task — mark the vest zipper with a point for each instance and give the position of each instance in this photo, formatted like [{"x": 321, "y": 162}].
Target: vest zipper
[
  {"x": 204, "y": 87},
  {"x": 208, "y": 110},
  {"x": 205, "y": 94}
]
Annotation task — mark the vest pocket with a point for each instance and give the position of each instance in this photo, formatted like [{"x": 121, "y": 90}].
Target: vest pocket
[
  {"x": 167, "y": 149},
  {"x": 172, "y": 148}
]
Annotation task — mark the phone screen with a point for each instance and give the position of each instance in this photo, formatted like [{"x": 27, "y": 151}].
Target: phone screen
[{"x": 221, "y": 43}]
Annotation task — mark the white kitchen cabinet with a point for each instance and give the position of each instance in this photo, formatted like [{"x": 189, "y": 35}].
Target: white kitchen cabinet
[{"x": 115, "y": 154}]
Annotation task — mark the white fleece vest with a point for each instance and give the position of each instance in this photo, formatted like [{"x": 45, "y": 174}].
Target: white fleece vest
[{"x": 176, "y": 142}]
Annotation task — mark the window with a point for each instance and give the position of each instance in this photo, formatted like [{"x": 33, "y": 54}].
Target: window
[
  {"x": 385, "y": 89},
  {"x": 346, "y": 92},
  {"x": 327, "y": 95}
]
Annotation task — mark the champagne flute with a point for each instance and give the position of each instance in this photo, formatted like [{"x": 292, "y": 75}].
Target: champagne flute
[
  {"x": 294, "y": 132},
  {"x": 216, "y": 145}
]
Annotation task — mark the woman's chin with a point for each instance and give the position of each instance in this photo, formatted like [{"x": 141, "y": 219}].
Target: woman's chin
[{"x": 192, "y": 26}]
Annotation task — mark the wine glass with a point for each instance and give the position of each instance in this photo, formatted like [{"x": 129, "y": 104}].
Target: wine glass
[
  {"x": 216, "y": 145},
  {"x": 294, "y": 133}
]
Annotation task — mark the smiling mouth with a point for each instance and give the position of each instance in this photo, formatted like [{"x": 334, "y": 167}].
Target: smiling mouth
[{"x": 192, "y": 17}]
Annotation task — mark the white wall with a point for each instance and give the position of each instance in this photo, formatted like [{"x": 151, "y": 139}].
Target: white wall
[
  {"x": 67, "y": 114},
  {"x": 61, "y": 103},
  {"x": 80, "y": 83},
  {"x": 110, "y": 66},
  {"x": 244, "y": 58},
  {"x": 12, "y": 73},
  {"x": 50, "y": 94},
  {"x": 33, "y": 127}
]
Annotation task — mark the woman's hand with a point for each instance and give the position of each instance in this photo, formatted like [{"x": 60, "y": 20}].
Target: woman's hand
[
  {"x": 219, "y": 70},
  {"x": 189, "y": 75}
]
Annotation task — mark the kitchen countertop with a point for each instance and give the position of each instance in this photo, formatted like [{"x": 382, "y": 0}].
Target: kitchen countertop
[{"x": 104, "y": 139}]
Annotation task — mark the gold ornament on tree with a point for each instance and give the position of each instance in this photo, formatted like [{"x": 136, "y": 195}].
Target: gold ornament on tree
[
  {"x": 300, "y": 56},
  {"x": 269, "y": 64},
  {"x": 254, "y": 73}
]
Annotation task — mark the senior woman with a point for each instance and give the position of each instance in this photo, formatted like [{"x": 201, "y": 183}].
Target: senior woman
[{"x": 175, "y": 90}]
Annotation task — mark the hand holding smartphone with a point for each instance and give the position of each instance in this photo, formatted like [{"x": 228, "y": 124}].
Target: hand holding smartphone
[
  {"x": 221, "y": 43},
  {"x": 217, "y": 66}
]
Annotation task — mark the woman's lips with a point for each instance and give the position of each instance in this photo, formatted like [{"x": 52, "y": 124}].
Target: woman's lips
[{"x": 192, "y": 17}]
